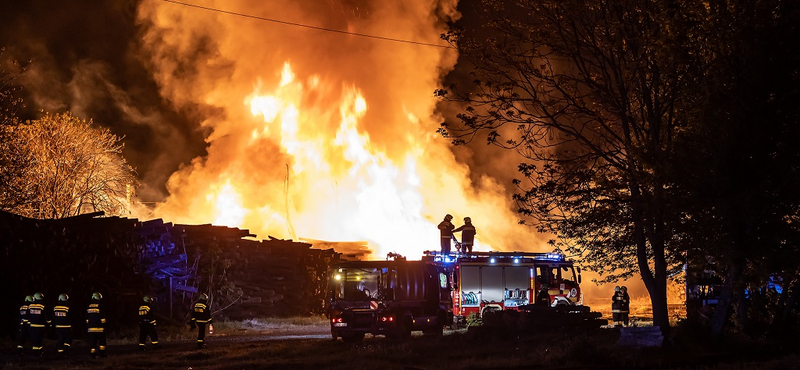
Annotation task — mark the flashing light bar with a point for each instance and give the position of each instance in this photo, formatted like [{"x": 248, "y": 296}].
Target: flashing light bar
[
  {"x": 495, "y": 257},
  {"x": 445, "y": 258}
]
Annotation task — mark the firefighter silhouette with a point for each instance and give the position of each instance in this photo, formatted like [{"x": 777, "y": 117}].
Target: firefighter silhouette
[
  {"x": 95, "y": 326},
  {"x": 24, "y": 325},
  {"x": 446, "y": 231},
  {"x": 147, "y": 323},
  {"x": 63, "y": 324},
  {"x": 201, "y": 316},
  {"x": 626, "y": 305},
  {"x": 617, "y": 306},
  {"x": 37, "y": 323},
  {"x": 543, "y": 297},
  {"x": 467, "y": 235}
]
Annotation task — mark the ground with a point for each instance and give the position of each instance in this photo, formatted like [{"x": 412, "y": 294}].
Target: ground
[{"x": 306, "y": 344}]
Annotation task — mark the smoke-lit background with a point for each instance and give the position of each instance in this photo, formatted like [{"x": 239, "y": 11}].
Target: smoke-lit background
[{"x": 284, "y": 130}]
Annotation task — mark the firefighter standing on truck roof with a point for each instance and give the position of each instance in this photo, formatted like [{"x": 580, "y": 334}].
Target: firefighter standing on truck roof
[
  {"x": 95, "y": 326},
  {"x": 61, "y": 321},
  {"x": 617, "y": 306},
  {"x": 201, "y": 315},
  {"x": 467, "y": 235},
  {"x": 38, "y": 323},
  {"x": 446, "y": 230},
  {"x": 24, "y": 325},
  {"x": 147, "y": 323}
]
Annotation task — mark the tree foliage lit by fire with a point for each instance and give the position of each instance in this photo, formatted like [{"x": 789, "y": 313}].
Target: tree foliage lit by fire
[{"x": 70, "y": 167}]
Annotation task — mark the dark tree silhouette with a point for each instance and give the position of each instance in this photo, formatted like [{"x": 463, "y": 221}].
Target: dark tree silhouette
[{"x": 592, "y": 93}]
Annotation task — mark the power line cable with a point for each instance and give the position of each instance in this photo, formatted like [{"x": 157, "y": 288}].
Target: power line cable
[{"x": 307, "y": 26}]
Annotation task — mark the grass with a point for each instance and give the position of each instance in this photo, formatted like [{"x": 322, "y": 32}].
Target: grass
[{"x": 245, "y": 345}]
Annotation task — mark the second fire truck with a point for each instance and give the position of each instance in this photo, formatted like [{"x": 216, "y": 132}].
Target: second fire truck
[{"x": 494, "y": 281}]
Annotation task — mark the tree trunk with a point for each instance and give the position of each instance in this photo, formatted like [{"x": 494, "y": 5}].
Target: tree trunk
[
  {"x": 654, "y": 282},
  {"x": 720, "y": 317}
]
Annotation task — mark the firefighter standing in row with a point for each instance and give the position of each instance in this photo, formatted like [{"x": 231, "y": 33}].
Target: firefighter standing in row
[
  {"x": 467, "y": 235},
  {"x": 96, "y": 322},
  {"x": 446, "y": 231},
  {"x": 201, "y": 315},
  {"x": 61, "y": 321},
  {"x": 24, "y": 325},
  {"x": 147, "y": 323},
  {"x": 38, "y": 323}
]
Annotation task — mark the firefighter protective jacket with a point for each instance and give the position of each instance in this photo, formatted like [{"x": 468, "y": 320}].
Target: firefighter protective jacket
[
  {"x": 146, "y": 314},
  {"x": 23, "y": 314},
  {"x": 95, "y": 318},
  {"x": 201, "y": 314},
  {"x": 36, "y": 316},
  {"x": 61, "y": 317},
  {"x": 446, "y": 229},
  {"x": 618, "y": 303},
  {"x": 467, "y": 233}
]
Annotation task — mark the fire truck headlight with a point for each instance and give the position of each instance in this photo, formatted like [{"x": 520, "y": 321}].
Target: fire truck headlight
[
  {"x": 516, "y": 260},
  {"x": 491, "y": 260}
]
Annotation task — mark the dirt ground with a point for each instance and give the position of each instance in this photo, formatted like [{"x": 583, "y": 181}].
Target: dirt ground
[{"x": 309, "y": 346}]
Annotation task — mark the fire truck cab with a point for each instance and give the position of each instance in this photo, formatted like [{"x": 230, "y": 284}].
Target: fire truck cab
[
  {"x": 391, "y": 298},
  {"x": 484, "y": 281}
]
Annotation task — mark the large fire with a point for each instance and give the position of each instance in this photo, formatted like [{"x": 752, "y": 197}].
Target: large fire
[{"x": 321, "y": 135}]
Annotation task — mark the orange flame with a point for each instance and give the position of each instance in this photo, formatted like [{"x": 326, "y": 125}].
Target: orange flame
[{"x": 339, "y": 144}]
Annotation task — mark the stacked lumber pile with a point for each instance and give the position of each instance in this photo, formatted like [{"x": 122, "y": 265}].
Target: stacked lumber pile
[
  {"x": 248, "y": 278},
  {"x": 126, "y": 258},
  {"x": 76, "y": 256}
]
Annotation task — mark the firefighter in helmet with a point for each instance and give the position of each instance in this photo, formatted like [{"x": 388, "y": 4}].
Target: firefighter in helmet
[
  {"x": 617, "y": 306},
  {"x": 147, "y": 323},
  {"x": 626, "y": 305},
  {"x": 446, "y": 231},
  {"x": 24, "y": 325},
  {"x": 63, "y": 324},
  {"x": 543, "y": 297},
  {"x": 201, "y": 316},
  {"x": 467, "y": 235},
  {"x": 95, "y": 326},
  {"x": 38, "y": 323}
]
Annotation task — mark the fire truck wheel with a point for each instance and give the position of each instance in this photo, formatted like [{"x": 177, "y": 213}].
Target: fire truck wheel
[
  {"x": 352, "y": 337},
  {"x": 404, "y": 329},
  {"x": 434, "y": 332}
]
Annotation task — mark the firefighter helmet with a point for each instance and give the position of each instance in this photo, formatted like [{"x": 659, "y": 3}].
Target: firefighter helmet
[
  {"x": 467, "y": 220},
  {"x": 38, "y": 296},
  {"x": 448, "y": 217},
  {"x": 624, "y": 288},
  {"x": 203, "y": 297},
  {"x": 97, "y": 296},
  {"x": 63, "y": 297},
  {"x": 616, "y": 288},
  {"x": 147, "y": 299},
  {"x": 28, "y": 298}
]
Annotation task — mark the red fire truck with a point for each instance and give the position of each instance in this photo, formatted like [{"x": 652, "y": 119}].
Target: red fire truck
[
  {"x": 391, "y": 298},
  {"x": 507, "y": 280}
]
